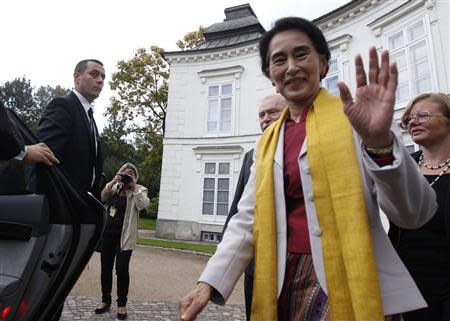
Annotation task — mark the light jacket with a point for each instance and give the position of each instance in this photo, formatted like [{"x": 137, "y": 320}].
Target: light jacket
[
  {"x": 399, "y": 189},
  {"x": 136, "y": 201}
]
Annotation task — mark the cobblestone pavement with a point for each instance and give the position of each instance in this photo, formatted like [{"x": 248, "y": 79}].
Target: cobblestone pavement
[
  {"x": 152, "y": 296},
  {"x": 82, "y": 309}
]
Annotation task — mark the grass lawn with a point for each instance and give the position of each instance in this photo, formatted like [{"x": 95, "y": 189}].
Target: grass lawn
[
  {"x": 147, "y": 223},
  {"x": 204, "y": 248},
  {"x": 150, "y": 224}
]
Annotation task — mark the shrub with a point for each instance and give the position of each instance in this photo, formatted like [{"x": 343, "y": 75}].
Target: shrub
[{"x": 152, "y": 209}]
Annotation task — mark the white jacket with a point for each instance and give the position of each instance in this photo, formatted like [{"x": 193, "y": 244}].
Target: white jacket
[{"x": 402, "y": 193}]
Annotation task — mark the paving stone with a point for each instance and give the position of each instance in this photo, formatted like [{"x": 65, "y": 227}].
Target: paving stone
[{"x": 82, "y": 308}]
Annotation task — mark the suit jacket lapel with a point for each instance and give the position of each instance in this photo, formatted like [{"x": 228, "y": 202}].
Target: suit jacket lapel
[{"x": 85, "y": 118}]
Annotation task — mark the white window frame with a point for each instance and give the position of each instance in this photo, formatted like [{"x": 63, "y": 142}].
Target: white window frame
[
  {"x": 331, "y": 74},
  {"x": 209, "y": 154},
  {"x": 211, "y": 77},
  {"x": 216, "y": 217},
  {"x": 219, "y": 97},
  {"x": 339, "y": 48},
  {"x": 400, "y": 104}
]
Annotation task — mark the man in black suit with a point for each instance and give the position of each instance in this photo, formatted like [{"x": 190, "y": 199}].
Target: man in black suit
[
  {"x": 67, "y": 126},
  {"x": 270, "y": 110},
  {"x": 13, "y": 147}
]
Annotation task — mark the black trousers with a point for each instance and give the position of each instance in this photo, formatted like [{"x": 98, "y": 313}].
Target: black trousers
[
  {"x": 110, "y": 251},
  {"x": 248, "y": 293},
  {"x": 437, "y": 311}
]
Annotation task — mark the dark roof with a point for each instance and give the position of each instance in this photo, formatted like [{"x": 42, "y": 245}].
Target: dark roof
[
  {"x": 233, "y": 26},
  {"x": 240, "y": 26},
  {"x": 229, "y": 41}
]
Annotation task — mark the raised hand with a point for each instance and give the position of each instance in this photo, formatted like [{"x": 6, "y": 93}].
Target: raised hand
[
  {"x": 117, "y": 178},
  {"x": 372, "y": 111},
  {"x": 133, "y": 182},
  {"x": 195, "y": 301}
]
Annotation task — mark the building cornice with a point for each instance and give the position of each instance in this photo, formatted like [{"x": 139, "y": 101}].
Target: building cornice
[
  {"x": 340, "y": 42},
  {"x": 345, "y": 13},
  {"x": 378, "y": 24},
  {"x": 233, "y": 70},
  {"x": 207, "y": 55},
  {"x": 227, "y": 149}
]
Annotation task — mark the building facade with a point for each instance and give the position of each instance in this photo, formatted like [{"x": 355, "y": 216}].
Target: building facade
[{"x": 215, "y": 89}]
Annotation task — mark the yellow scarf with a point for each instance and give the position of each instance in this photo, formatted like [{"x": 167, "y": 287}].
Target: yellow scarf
[{"x": 350, "y": 269}]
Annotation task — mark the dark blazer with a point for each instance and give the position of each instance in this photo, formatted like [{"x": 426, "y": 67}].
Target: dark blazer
[
  {"x": 12, "y": 179},
  {"x": 65, "y": 128},
  {"x": 395, "y": 231},
  {"x": 11, "y": 142},
  {"x": 242, "y": 181}
]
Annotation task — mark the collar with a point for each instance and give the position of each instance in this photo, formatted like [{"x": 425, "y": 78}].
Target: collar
[{"x": 86, "y": 105}]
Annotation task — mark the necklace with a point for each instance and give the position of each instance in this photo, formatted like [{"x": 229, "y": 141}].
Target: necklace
[
  {"x": 444, "y": 165},
  {"x": 439, "y": 176}
]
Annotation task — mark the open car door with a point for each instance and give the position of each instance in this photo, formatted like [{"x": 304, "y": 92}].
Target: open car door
[{"x": 48, "y": 233}]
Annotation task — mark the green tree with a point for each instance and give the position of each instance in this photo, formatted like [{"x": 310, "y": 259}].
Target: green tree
[
  {"x": 149, "y": 153},
  {"x": 192, "y": 39},
  {"x": 42, "y": 96},
  {"x": 141, "y": 85},
  {"x": 18, "y": 95},
  {"x": 145, "y": 152},
  {"x": 137, "y": 113},
  {"x": 115, "y": 148}
]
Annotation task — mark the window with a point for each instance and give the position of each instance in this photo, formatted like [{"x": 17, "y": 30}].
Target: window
[
  {"x": 220, "y": 101},
  {"x": 216, "y": 189},
  {"x": 212, "y": 237},
  {"x": 409, "y": 49},
  {"x": 332, "y": 78}
]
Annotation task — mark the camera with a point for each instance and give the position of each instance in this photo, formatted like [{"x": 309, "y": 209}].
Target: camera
[{"x": 126, "y": 179}]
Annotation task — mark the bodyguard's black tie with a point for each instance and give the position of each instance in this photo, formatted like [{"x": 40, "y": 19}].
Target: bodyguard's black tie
[
  {"x": 91, "y": 122},
  {"x": 97, "y": 165}
]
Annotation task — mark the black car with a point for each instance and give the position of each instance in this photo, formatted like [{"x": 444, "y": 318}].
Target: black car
[{"x": 48, "y": 233}]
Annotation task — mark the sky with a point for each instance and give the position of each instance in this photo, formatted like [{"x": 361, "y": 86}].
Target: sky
[{"x": 44, "y": 39}]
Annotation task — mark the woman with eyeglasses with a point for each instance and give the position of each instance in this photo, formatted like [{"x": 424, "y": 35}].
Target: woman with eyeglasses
[{"x": 426, "y": 251}]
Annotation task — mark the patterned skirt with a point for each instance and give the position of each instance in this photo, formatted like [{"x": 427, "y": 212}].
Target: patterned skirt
[{"x": 302, "y": 298}]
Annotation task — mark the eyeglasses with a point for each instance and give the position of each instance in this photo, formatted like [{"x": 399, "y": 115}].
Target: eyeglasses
[{"x": 421, "y": 116}]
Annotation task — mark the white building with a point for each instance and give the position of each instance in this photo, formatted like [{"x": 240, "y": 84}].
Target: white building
[{"x": 214, "y": 91}]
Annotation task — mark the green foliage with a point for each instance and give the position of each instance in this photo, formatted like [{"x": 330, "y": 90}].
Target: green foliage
[
  {"x": 152, "y": 209},
  {"x": 203, "y": 248},
  {"x": 141, "y": 85},
  {"x": 19, "y": 95},
  {"x": 146, "y": 223},
  {"x": 144, "y": 151},
  {"x": 192, "y": 39},
  {"x": 116, "y": 149},
  {"x": 42, "y": 97},
  {"x": 137, "y": 115},
  {"x": 149, "y": 153}
]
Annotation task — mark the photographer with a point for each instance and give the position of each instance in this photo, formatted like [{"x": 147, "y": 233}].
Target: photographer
[{"x": 124, "y": 199}]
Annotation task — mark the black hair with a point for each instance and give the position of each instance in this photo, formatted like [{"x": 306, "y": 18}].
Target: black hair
[
  {"x": 82, "y": 65},
  {"x": 292, "y": 23}
]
